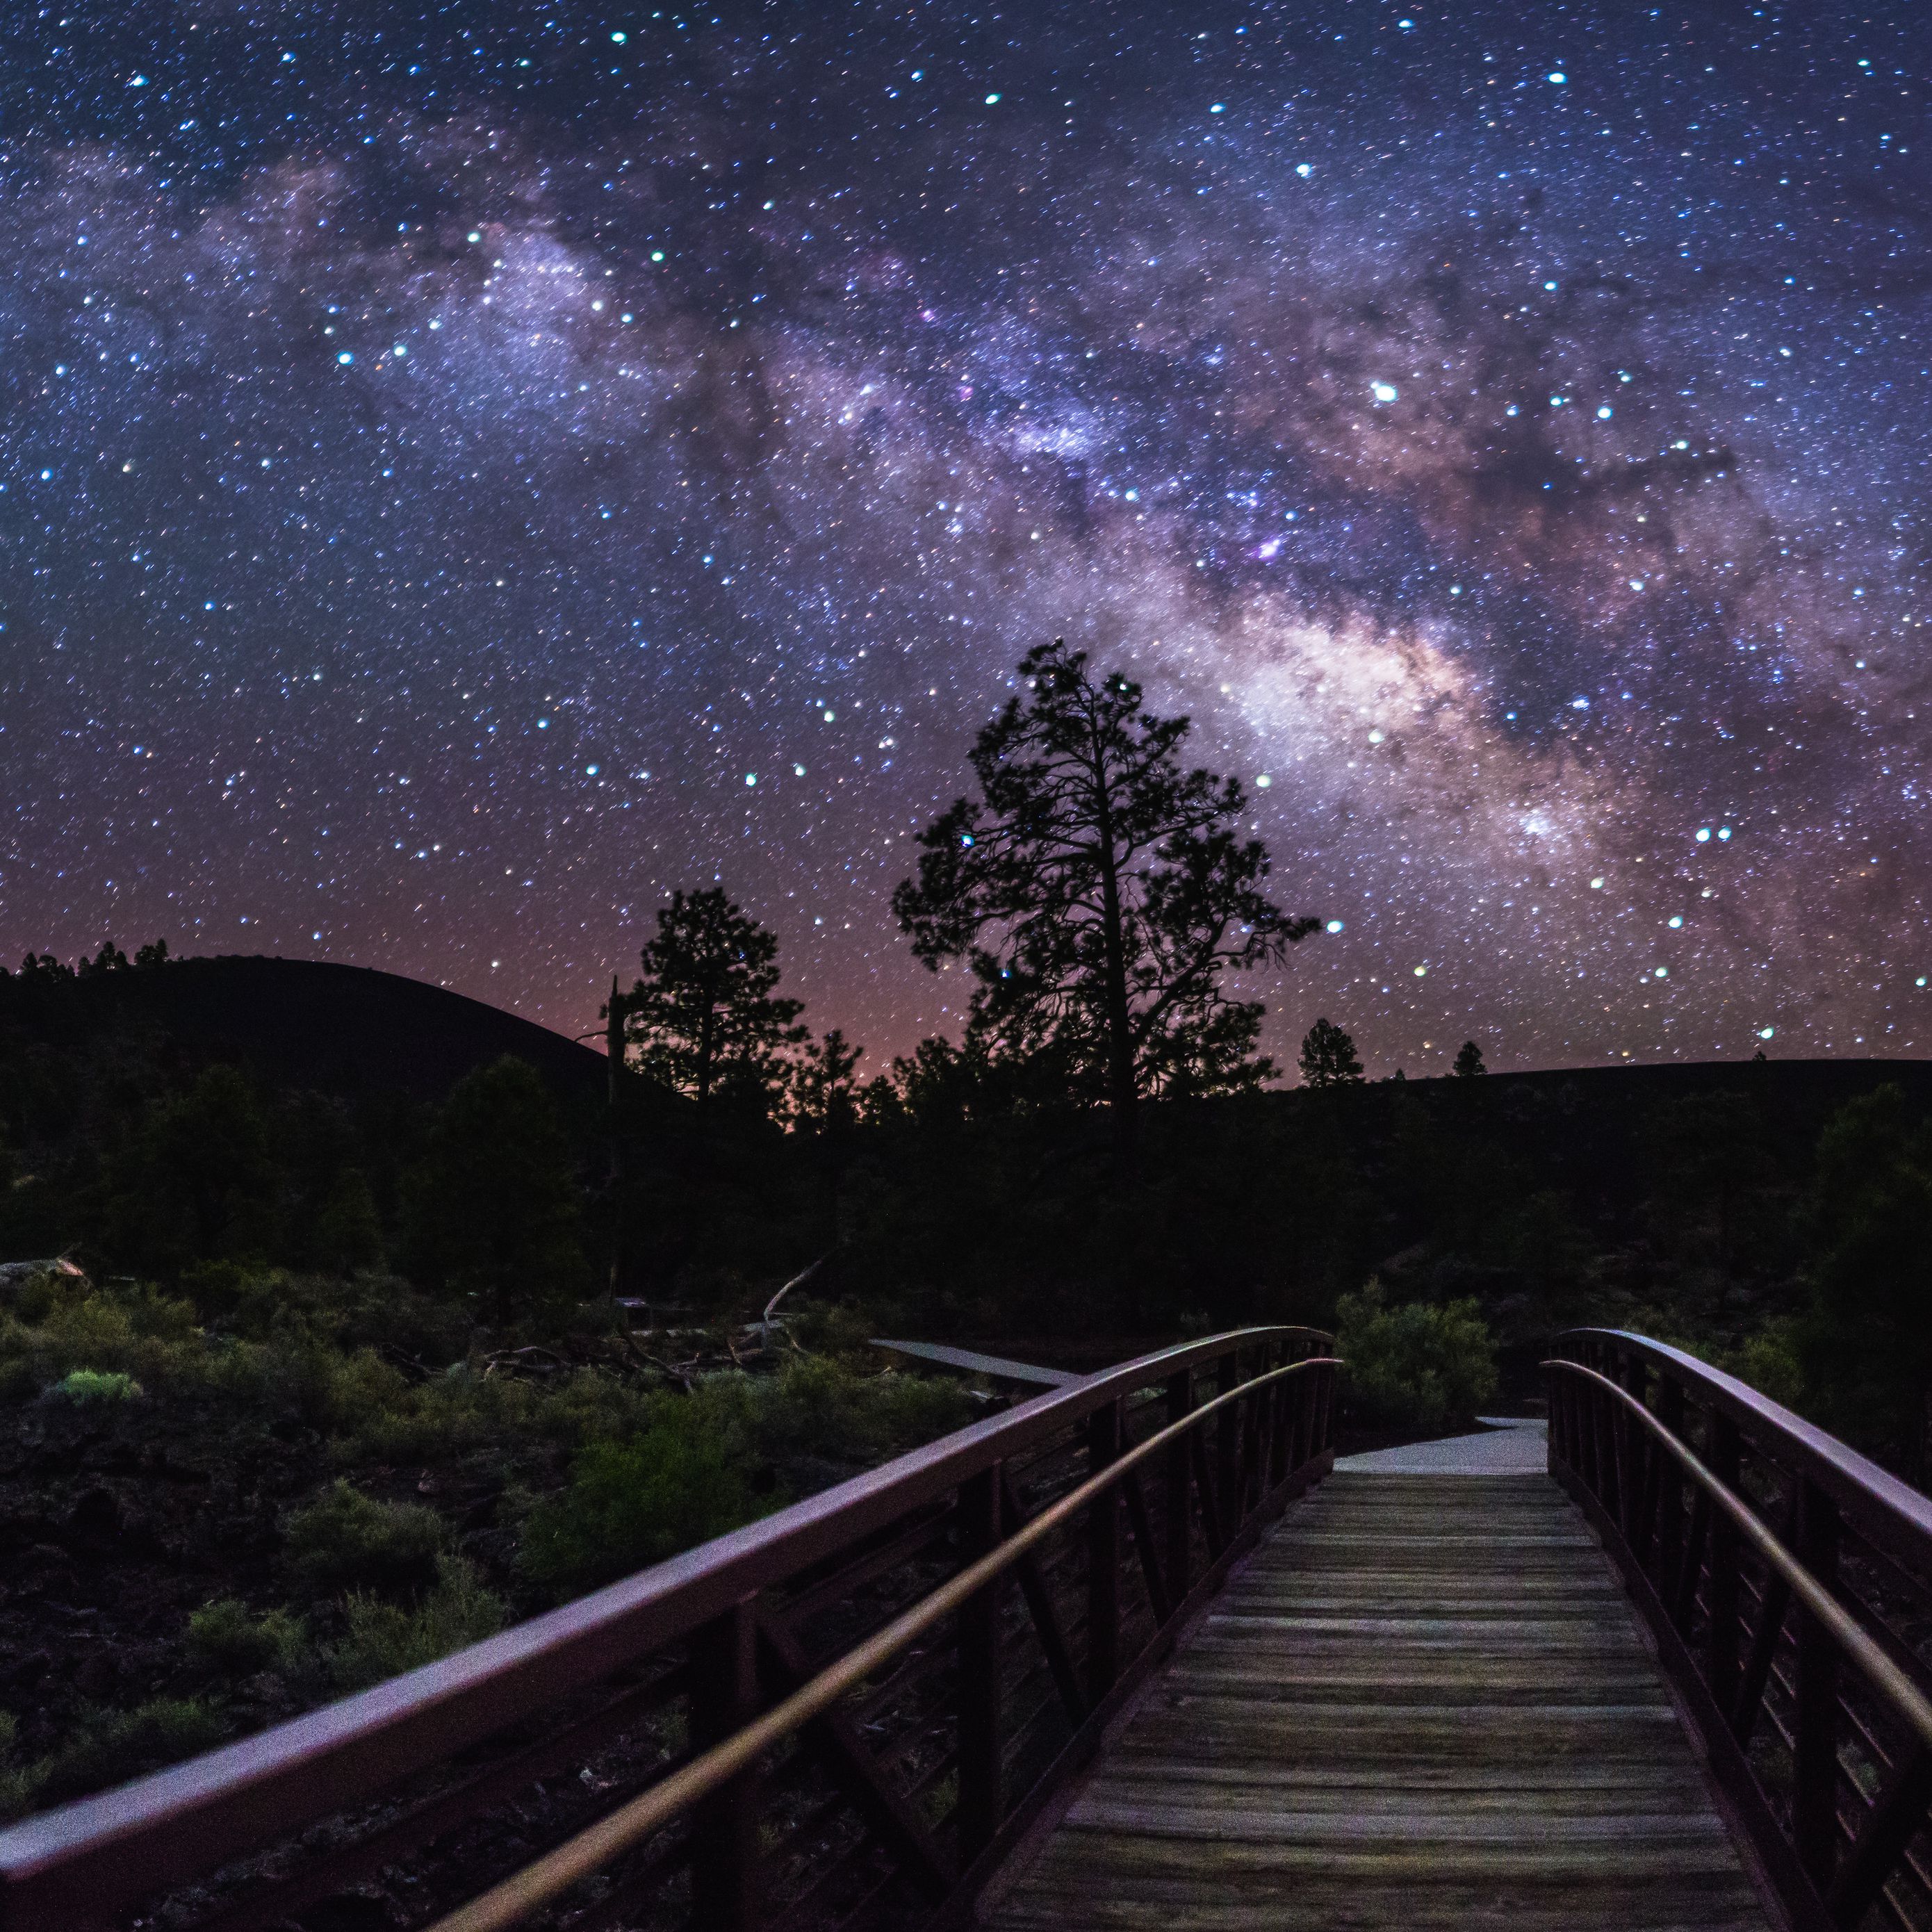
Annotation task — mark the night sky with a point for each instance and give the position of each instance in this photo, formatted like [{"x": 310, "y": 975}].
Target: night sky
[{"x": 465, "y": 471}]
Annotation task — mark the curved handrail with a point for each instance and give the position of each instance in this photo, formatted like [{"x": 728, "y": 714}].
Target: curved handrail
[
  {"x": 518, "y": 1896},
  {"x": 1879, "y": 1670},
  {"x": 1866, "y": 1492},
  {"x": 1719, "y": 1583},
  {"x": 189, "y": 1819}
]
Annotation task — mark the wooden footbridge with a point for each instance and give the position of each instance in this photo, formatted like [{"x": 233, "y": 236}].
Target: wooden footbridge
[{"x": 1134, "y": 1654}]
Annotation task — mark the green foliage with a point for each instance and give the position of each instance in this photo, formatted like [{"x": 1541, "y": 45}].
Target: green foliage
[
  {"x": 111, "y": 1747},
  {"x": 228, "y": 1636},
  {"x": 96, "y": 1385},
  {"x": 384, "y": 1639},
  {"x": 815, "y": 1406},
  {"x": 630, "y": 1505},
  {"x": 704, "y": 1015},
  {"x": 1870, "y": 1341},
  {"x": 492, "y": 1210},
  {"x": 200, "y": 1181},
  {"x": 1097, "y": 891},
  {"x": 343, "y": 1539},
  {"x": 1415, "y": 1365},
  {"x": 1327, "y": 1057}
]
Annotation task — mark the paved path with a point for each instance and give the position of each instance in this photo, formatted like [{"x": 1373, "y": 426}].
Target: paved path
[
  {"x": 1508, "y": 1447},
  {"x": 1423, "y": 1706}
]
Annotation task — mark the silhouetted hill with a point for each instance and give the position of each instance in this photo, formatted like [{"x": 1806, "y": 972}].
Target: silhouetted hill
[{"x": 302, "y": 1023}]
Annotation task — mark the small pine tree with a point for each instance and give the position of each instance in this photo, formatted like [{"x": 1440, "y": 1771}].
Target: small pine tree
[
  {"x": 704, "y": 1013},
  {"x": 824, "y": 1096},
  {"x": 1328, "y": 1058},
  {"x": 154, "y": 953},
  {"x": 1469, "y": 1061}
]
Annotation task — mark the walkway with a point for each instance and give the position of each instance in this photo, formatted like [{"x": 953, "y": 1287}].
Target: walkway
[
  {"x": 1506, "y": 1448},
  {"x": 1422, "y": 1703}
]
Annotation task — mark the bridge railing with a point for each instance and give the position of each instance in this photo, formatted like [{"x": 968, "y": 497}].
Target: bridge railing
[
  {"x": 1788, "y": 1581},
  {"x": 844, "y": 1715}
]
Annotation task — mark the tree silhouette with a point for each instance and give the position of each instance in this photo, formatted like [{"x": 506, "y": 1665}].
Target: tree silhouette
[
  {"x": 1328, "y": 1058},
  {"x": 1097, "y": 891},
  {"x": 704, "y": 1011},
  {"x": 1469, "y": 1061},
  {"x": 490, "y": 1210},
  {"x": 824, "y": 1096}
]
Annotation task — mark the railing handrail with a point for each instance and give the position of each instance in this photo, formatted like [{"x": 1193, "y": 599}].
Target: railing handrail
[
  {"x": 1880, "y": 1671},
  {"x": 523, "y": 1893},
  {"x": 1871, "y": 1496},
  {"x": 191, "y": 1818}
]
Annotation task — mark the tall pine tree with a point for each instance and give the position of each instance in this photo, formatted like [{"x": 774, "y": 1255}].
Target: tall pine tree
[{"x": 1098, "y": 891}]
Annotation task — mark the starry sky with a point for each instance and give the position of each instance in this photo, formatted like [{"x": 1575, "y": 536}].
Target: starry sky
[{"x": 467, "y": 470}]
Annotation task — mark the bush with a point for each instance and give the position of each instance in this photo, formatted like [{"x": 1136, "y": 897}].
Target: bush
[
  {"x": 1417, "y": 1366},
  {"x": 96, "y": 1385},
  {"x": 229, "y": 1636},
  {"x": 816, "y": 1407},
  {"x": 345, "y": 1541},
  {"x": 629, "y": 1505},
  {"x": 111, "y": 1747},
  {"x": 384, "y": 1640}
]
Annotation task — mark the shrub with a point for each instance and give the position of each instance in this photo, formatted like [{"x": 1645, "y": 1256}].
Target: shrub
[
  {"x": 110, "y": 1747},
  {"x": 383, "y": 1640},
  {"x": 17, "y": 1783},
  {"x": 96, "y": 1385},
  {"x": 816, "y": 1407},
  {"x": 228, "y": 1635},
  {"x": 342, "y": 1539},
  {"x": 628, "y": 1505},
  {"x": 1415, "y": 1365}
]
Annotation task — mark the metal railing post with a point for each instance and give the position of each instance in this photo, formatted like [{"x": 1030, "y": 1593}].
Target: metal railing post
[
  {"x": 1814, "y": 1809},
  {"x": 1227, "y": 1444},
  {"x": 980, "y": 1797},
  {"x": 1721, "y": 1667},
  {"x": 726, "y": 1890},
  {"x": 1103, "y": 1557},
  {"x": 1180, "y": 1516}
]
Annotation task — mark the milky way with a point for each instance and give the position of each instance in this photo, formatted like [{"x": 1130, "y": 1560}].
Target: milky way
[{"x": 465, "y": 472}]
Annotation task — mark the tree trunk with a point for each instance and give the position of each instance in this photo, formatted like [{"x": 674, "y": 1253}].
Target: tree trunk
[
  {"x": 1122, "y": 1096},
  {"x": 613, "y": 1057}
]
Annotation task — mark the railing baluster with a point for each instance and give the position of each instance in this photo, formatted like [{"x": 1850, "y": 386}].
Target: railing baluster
[
  {"x": 1180, "y": 1512},
  {"x": 1227, "y": 1444},
  {"x": 1896, "y": 1816},
  {"x": 1814, "y": 1808},
  {"x": 1670, "y": 1491},
  {"x": 1040, "y": 1604},
  {"x": 980, "y": 1807},
  {"x": 1723, "y": 1453},
  {"x": 1103, "y": 1557},
  {"x": 726, "y": 1893}
]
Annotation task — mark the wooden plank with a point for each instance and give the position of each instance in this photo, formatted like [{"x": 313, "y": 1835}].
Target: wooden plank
[{"x": 1423, "y": 1702}]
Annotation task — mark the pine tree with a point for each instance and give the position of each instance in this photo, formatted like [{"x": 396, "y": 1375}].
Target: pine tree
[
  {"x": 824, "y": 1096},
  {"x": 1469, "y": 1061},
  {"x": 704, "y": 1013},
  {"x": 1328, "y": 1058},
  {"x": 1097, "y": 891}
]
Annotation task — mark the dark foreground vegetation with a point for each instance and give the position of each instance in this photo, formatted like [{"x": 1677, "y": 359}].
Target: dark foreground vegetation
[
  {"x": 362, "y": 1317},
  {"x": 341, "y": 1385}
]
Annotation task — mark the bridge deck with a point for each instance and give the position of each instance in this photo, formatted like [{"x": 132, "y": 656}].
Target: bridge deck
[{"x": 1424, "y": 1702}]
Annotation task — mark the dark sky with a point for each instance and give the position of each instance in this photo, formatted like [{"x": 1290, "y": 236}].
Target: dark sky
[{"x": 465, "y": 471}]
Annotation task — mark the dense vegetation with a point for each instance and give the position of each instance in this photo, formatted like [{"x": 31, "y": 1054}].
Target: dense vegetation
[{"x": 349, "y": 1359}]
